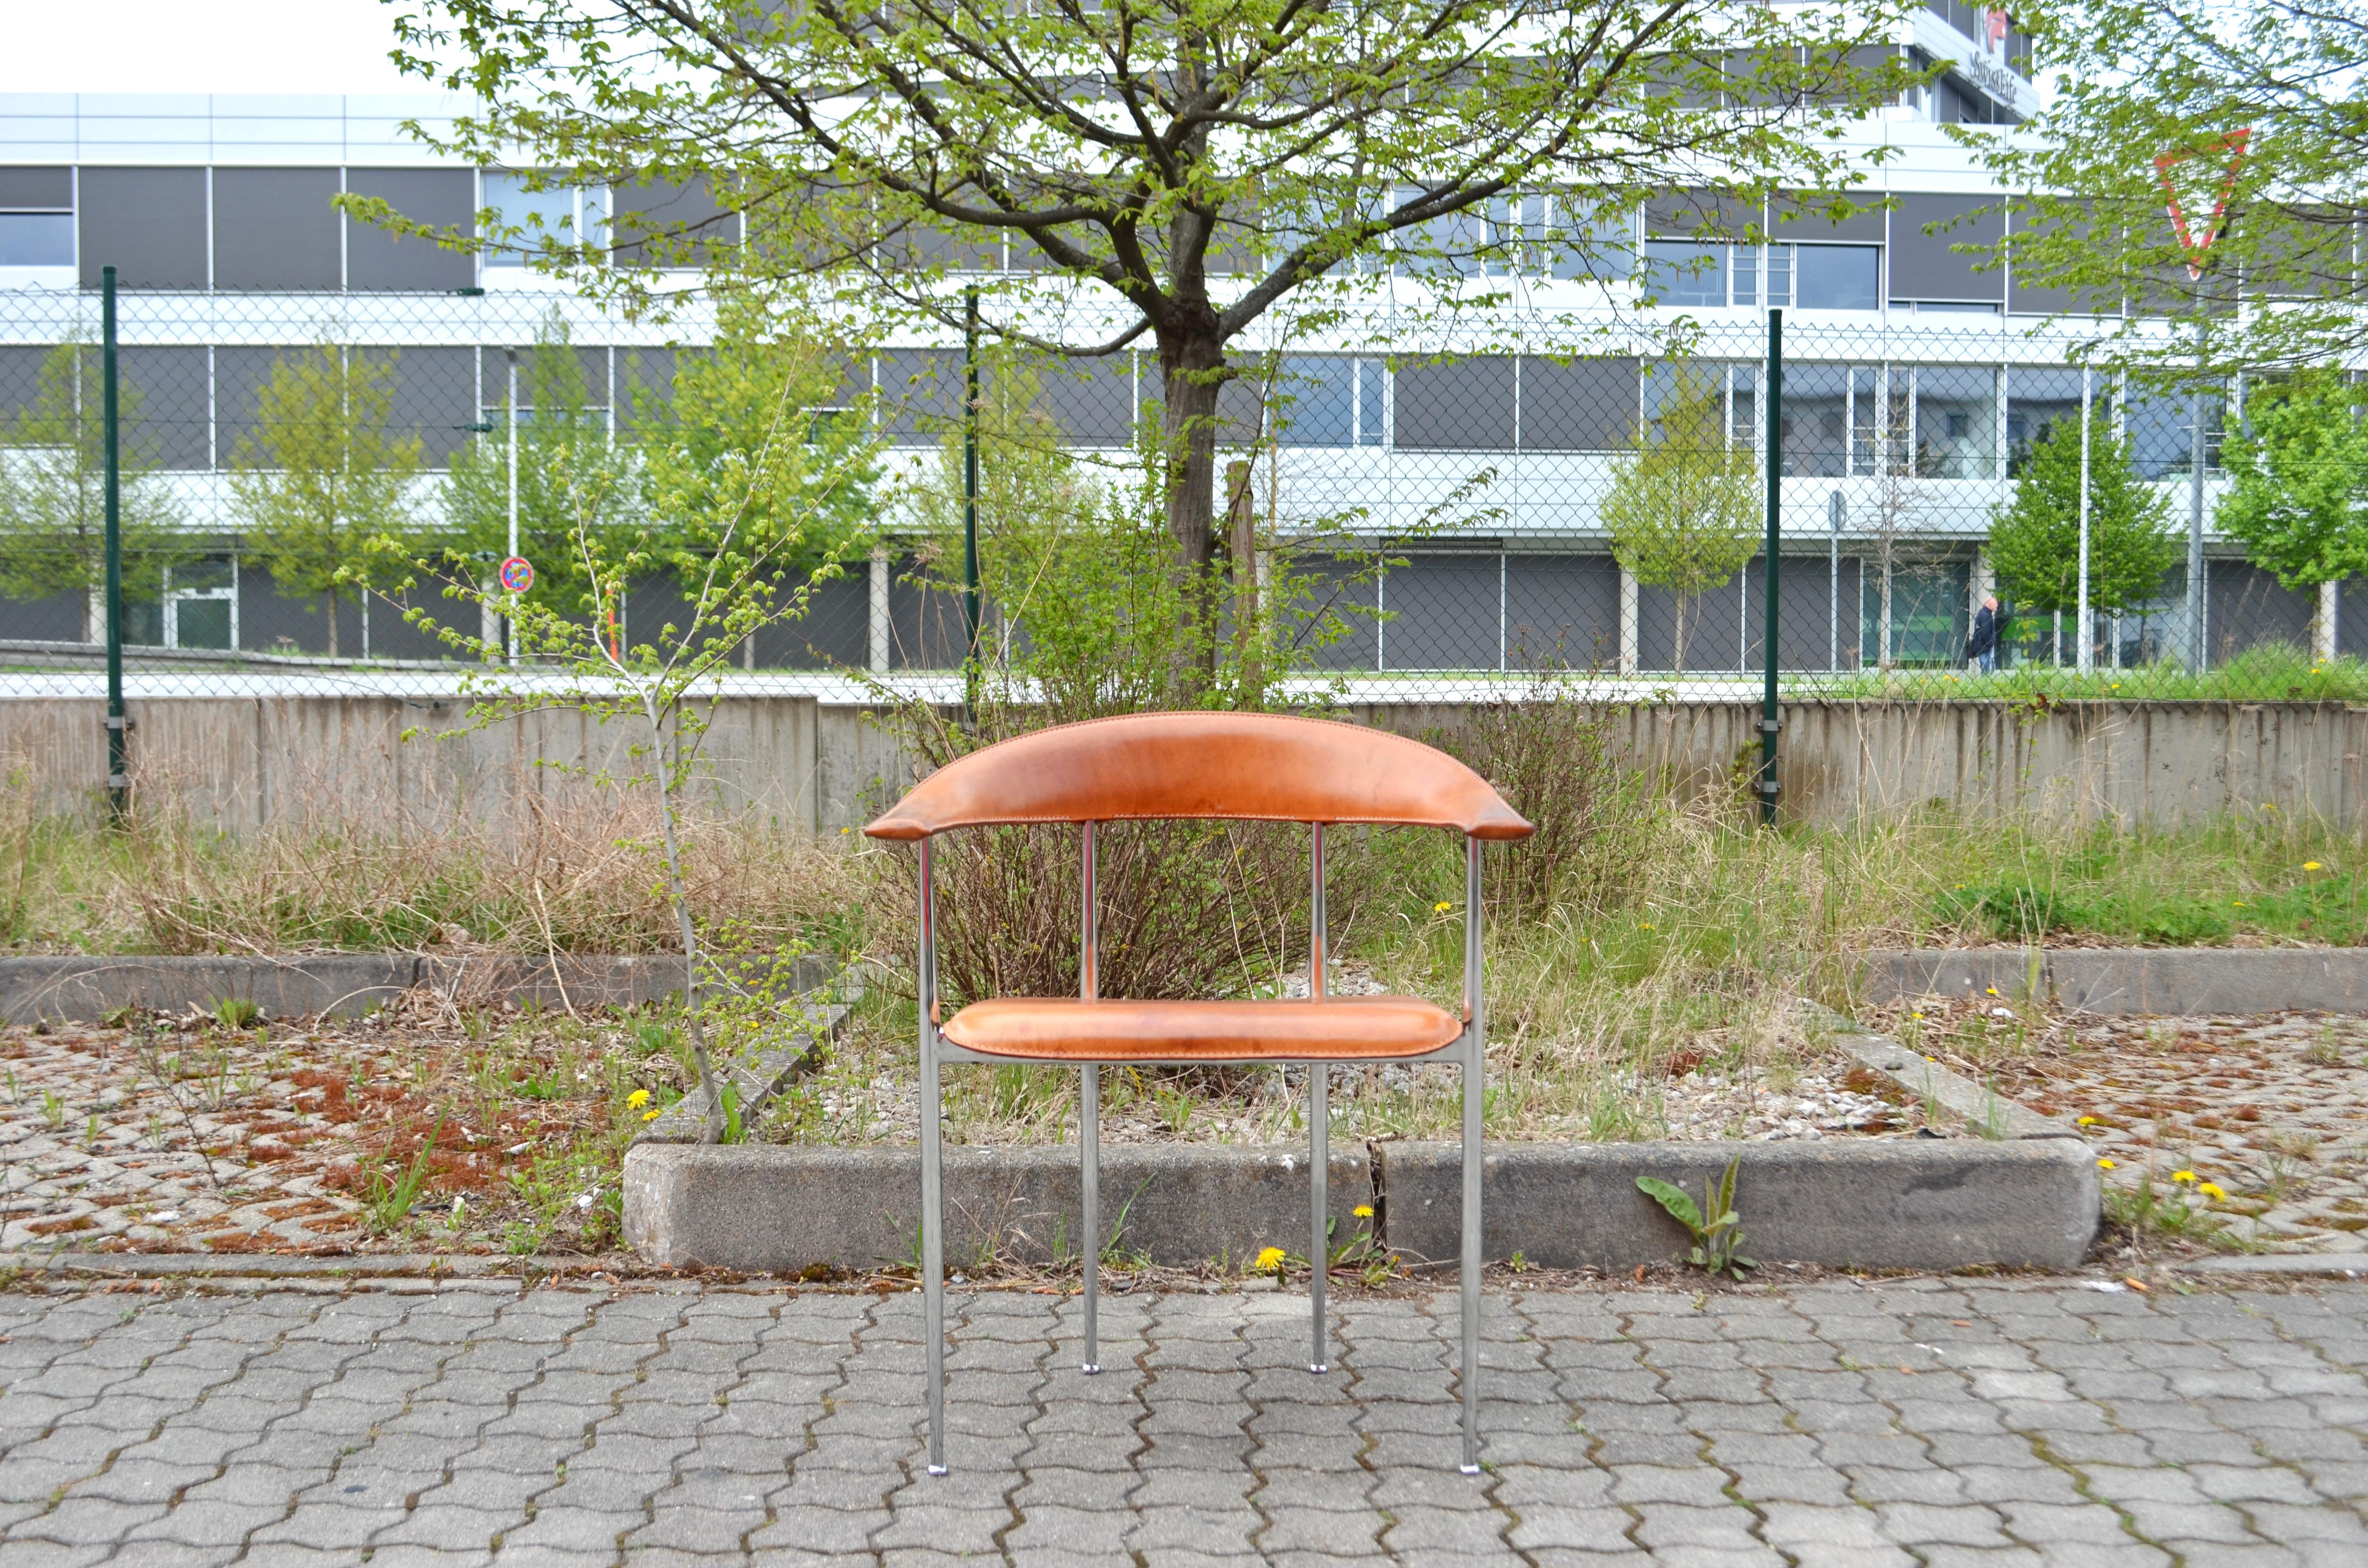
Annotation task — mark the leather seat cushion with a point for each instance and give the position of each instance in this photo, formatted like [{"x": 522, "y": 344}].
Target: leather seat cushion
[{"x": 1338, "y": 1029}]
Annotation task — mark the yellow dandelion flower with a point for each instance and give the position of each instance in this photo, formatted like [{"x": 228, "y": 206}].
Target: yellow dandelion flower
[
  {"x": 2182, "y": 1175},
  {"x": 2103, "y": 1164},
  {"x": 1269, "y": 1260},
  {"x": 2088, "y": 1122},
  {"x": 2211, "y": 1189},
  {"x": 2311, "y": 865},
  {"x": 1991, "y": 990},
  {"x": 1441, "y": 907},
  {"x": 1362, "y": 1210},
  {"x": 638, "y": 1098},
  {"x": 1643, "y": 925}
]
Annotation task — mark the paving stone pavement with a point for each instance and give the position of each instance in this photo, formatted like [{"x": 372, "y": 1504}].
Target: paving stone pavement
[{"x": 1902, "y": 1422}]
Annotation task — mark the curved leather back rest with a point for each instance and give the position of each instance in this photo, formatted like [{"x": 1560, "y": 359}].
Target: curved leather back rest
[{"x": 1257, "y": 767}]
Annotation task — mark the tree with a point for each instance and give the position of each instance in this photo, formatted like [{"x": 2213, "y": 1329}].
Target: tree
[
  {"x": 575, "y": 478},
  {"x": 53, "y": 495},
  {"x": 716, "y": 451},
  {"x": 2139, "y": 80},
  {"x": 319, "y": 476},
  {"x": 748, "y": 547},
  {"x": 2299, "y": 500},
  {"x": 1683, "y": 511},
  {"x": 2034, "y": 544},
  {"x": 1167, "y": 170}
]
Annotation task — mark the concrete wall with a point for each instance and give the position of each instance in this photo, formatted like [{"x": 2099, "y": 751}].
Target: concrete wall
[{"x": 245, "y": 761}]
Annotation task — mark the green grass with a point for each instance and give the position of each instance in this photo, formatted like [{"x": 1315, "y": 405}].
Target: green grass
[{"x": 2272, "y": 673}]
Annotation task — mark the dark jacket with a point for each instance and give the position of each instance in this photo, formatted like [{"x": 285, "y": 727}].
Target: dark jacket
[{"x": 1984, "y": 637}]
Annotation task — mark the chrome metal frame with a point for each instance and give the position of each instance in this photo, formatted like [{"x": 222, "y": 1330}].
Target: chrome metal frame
[{"x": 1469, "y": 1047}]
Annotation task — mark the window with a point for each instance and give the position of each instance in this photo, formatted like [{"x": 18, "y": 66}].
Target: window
[
  {"x": 1838, "y": 278},
  {"x": 36, "y": 239},
  {"x": 2161, "y": 434},
  {"x": 1331, "y": 401},
  {"x": 1954, "y": 420},
  {"x": 2035, "y": 400},
  {"x": 202, "y": 604},
  {"x": 1685, "y": 273},
  {"x": 545, "y": 219}
]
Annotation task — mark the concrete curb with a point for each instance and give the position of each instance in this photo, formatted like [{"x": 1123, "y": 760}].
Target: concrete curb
[
  {"x": 265, "y": 1265},
  {"x": 762, "y": 1208},
  {"x": 2164, "y": 981},
  {"x": 1869, "y": 1203},
  {"x": 1944, "y": 1203},
  {"x": 84, "y": 988}
]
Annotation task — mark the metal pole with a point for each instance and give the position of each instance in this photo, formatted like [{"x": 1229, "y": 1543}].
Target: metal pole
[
  {"x": 1836, "y": 509},
  {"x": 2199, "y": 596},
  {"x": 118, "y": 781},
  {"x": 970, "y": 501},
  {"x": 1319, "y": 1153},
  {"x": 509, "y": 622},
  {"x": 1769, "y": 722},
  {"x": 2084, "y": 629}
]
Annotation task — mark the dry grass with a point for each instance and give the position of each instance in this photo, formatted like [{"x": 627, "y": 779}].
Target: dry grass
[{"x": 577, "y": 875}]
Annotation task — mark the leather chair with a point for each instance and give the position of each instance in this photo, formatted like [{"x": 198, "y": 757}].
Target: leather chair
[{"x": 1247, "y": 766}]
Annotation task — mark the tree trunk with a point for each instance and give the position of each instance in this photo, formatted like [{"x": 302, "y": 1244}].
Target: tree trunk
[
  {"x": 1677, "y": 658},
  {"x": 1882, "y": 632},
  {"x": 331, "y": 600},
  {"x": 1191, "y": 367}
]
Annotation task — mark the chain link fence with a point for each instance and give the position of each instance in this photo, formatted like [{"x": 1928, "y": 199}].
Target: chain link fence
[{"x": 1458, "y": 510}]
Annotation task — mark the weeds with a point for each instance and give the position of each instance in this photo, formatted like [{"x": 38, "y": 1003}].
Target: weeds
[
  {"x": 1715, "y": 1227},
  {"x": 387, "y": 1199}
]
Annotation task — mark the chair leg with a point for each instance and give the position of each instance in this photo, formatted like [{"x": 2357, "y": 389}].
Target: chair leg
[
  {"x": 1471, "y": 1262},
  {"x": 933, "y": 1260},
  {"x": 1090, "y": 1156},
  {"x": 1319, "y": 1168}
]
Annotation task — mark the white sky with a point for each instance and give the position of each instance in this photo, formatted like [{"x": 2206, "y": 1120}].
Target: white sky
[{"x": 203, "y": 46}]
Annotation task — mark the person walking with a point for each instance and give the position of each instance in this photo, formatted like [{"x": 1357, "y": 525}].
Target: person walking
[{"x": 1981, "y": 648}]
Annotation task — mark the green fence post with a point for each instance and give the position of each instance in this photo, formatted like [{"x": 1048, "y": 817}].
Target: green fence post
[
  {"x": 118, "y": 781},
  {"x": 1769, "y": 722},
  {"x": 969, "y": 505}
]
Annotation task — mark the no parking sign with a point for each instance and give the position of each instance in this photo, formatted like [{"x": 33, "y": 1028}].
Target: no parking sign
[{"x": 517, "y": 574}]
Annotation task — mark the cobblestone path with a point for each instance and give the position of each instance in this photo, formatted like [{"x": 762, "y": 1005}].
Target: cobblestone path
[{"x": 1845, "y": 1423}]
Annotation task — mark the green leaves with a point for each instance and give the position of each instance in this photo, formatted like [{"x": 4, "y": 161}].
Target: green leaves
[
  {"x": 2300, "y": 500},
  {"x": 1716, "y": 1236},
  {"x": 2035, "y": 537},
  {"x": 319, "y": 476},
  {"x": 1684, "y": 510}
]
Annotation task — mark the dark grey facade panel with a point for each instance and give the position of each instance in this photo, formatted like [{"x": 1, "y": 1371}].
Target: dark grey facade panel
[
  {"x": 36, "y": 190},
  {"x": 276, "y": 228},
  {"x": 1925, "y": 266},
  {"x": 2250, "y": 607},
  {"x": 1442, "y": 612},
  {"x": 920, "y": 392},
  {"x": 431, "y": 398},
  {"x": 149, "y": 224},
  {"x": 591, "y": 364},
  {"x": 834, "y": 633},
  {"x": 666, "y": 224},
  {"x": 1703, "y": 214},
  {"x": 1091, "y": 400},
  {"x": 57, "y": 619},
  {"x": 20, "y": 380},
  {"x": 168, "y": 393},
  {"x": 1587, "y": 405},
  {"x": 377, "y": 259},
  {"x": 1562, "y": 612},
  {"x": 1455, "y": 405},
  {"x": 1347, "y": 585},
  {"x": 239, "y": 375},
  {"x": 1802, "y": 217}
]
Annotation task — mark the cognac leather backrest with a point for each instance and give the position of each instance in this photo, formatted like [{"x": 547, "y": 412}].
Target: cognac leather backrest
[{"x": 1254, "y": 766}]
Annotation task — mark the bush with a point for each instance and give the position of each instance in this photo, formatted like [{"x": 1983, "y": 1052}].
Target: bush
[{"x": 1554, "y": 756}]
